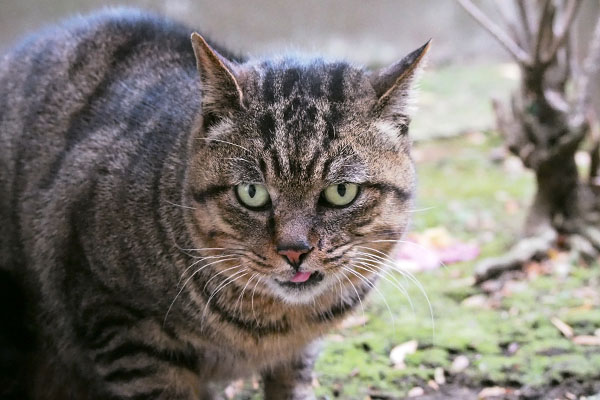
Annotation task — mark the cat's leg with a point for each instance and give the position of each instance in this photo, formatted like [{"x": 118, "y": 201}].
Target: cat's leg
[{"x": 292, "y": 380}]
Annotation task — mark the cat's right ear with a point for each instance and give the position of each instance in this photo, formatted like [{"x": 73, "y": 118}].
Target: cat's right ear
[
  {"x": 394, "y": 85},
  {"x": 219, "y": 77}
]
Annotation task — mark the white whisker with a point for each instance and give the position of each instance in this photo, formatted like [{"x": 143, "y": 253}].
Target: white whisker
[
  {"x": 390, "y": 263},
  {"x": 180, "y": 205},
  {"x": 221, "y": 258},
  {"x": 225, "y": 142},
  {"x": 186, "y": 282},
  {"x": 226, "y": 282},
  {"x": 372, "y": 285},
  {"x": 252, "y": 300},
  {"x": 357, "y": 295},
  {"x": 242, "y": 293}
]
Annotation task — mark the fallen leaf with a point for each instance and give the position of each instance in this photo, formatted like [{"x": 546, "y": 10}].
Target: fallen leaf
[
  {"x": 416, "y": 392},
  {"x": 432, "y": 384},
  {"x": 565, "y": 329},
  {"x": 438, "y": 376},
  {"x": 399, "y": 353},
  {"x": 459, "y": 364},
  {"x": 492, "y": 392},
  {"x": 587, "y": 340},
  {"x": 459, "y": 252},
  {"x": 433, "y": 248},
  {"x": 512, "y": 348},
  {"x": 476, "y": 301}
]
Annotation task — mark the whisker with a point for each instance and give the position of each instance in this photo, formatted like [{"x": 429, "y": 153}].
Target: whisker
[
  {"x": 365, "y": 266},
  {"x": 252, "y": 300},
  {"x": 225, "y": 142},
  {"x": 389, "y": 263},
  {"x": 372, "y": 285},
  {"x": 226, "y": 282},
  {"x": 416, "y": 210},
  {"x": 203, "y": 259},
  {"x": 184, "y": 285},
  {"x": 341, "y": 290},
  {"x": 242, "y": 293},
  {"x": 219, "y": 273},
  {"x": 357, "y": 295},
  {"x": 180, "y": 205}
]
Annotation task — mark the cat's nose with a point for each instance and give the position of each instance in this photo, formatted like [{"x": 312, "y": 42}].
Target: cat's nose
[{"x": 294, "y": 255}]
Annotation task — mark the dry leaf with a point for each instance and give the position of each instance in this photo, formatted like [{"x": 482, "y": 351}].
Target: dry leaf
[
  {"x": 416, "y": 392},
  {"x": 492, "y": 392},
  {"x": 432, "y": 384},
  {"x": 565, "y": 329},
  {"x": 587, "y": 340},
  {"x": 438, "y": 376},
  {"x": 476, "y": 301},
  {"x": 399, "y": 353},
  {"x": 459, "y": 364}
]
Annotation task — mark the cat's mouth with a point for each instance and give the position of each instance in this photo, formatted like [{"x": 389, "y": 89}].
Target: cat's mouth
[{"x": 302, "y": 280}]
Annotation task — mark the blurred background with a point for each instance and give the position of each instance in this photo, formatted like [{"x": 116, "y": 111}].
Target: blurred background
[{"x": 530, "y": 334}]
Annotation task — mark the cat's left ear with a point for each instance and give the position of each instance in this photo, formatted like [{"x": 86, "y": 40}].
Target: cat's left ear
[
  {"x": 221, "y": 91},
  {"x": 393, "y": 85}
]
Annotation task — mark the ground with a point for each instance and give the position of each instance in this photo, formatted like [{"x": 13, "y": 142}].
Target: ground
[{"x": 518, "y": 337}]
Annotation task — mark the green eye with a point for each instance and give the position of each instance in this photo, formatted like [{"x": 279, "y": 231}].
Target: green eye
[
  {"x": 252, "y": 195},
  {"x": 341, "y": 194}
]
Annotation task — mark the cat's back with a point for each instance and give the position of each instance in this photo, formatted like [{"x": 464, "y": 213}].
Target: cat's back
[
  {"x": 82, "y": 91},
  {"x": 96, "y": 64}
]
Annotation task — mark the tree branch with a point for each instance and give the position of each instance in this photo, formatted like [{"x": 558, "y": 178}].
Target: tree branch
[
  {"x": 513, "y": 32},
  {"x": 590, "y": 68},
  {"x": 505, "y": 40},
  {"x": 563, "y": 30},
  {"x": 542, "y": 29},
  {"x": 524, "y": 15}
]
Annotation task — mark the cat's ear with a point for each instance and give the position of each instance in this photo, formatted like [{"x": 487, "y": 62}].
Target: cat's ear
[
  {"x": 393, "y": 85},
  {"x": 219, "y": 77}
]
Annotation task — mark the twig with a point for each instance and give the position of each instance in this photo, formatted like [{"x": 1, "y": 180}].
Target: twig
[
  {"x": 563, "y": 30},
  {"x": 505, "y": 40},
  {"x": 542, "y": 28},
  {"x": 590, "y": 67},
  {"x": 524, "y": 15},
  {"x": 513, "y": 30}
]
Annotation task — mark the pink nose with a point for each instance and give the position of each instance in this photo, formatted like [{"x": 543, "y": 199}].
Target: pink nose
[{"x": 294, "y": 256}]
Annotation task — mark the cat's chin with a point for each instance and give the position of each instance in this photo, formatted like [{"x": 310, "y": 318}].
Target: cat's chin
[{"x": 299, "y": 293}]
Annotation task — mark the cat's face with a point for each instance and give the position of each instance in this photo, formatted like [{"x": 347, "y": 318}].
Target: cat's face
[{"x": 302, "y": 173}]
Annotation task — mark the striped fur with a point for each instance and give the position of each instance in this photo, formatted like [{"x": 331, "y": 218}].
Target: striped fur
[{"x": 144, "y": 277}]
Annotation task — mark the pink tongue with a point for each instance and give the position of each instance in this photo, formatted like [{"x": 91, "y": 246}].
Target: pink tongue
[{"x": 301, "y": 277}]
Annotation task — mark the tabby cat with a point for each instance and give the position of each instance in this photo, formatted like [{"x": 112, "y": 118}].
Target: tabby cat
[{"x": 173, "y": 217}]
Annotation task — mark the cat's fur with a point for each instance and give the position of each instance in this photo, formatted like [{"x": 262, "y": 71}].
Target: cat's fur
[{"x": 119, "y": 151}]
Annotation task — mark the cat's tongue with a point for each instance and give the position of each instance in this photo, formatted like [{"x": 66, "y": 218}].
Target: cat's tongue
[{"x": 300, "y": 277}]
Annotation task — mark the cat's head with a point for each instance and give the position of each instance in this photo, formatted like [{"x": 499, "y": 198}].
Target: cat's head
[{"x": 302, "y": 171}]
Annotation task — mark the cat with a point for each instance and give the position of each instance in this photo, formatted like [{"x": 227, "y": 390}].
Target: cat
[{"x": 174, "y": 216}]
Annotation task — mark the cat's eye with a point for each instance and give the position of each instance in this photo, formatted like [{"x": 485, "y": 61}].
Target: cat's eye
[
  {"x": 252, "y": 195},
  {"x": 340, "y": 194}
]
